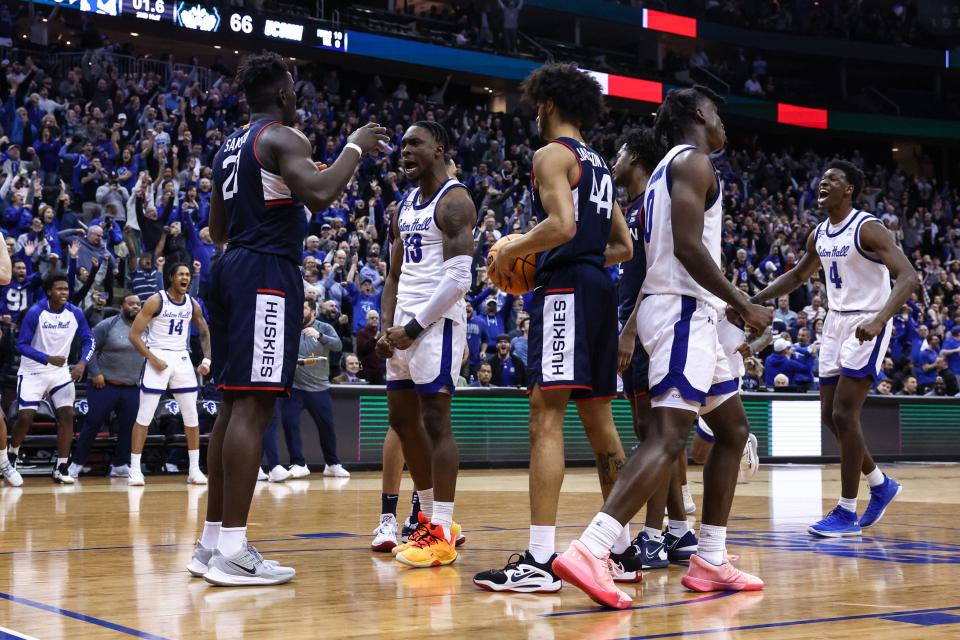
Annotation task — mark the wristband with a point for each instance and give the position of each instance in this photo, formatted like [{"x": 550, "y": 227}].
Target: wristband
[
  {"x": 205, "y": 363},
  {"x": 354, "y": 146},
  {"x": 413, "y": 329}
]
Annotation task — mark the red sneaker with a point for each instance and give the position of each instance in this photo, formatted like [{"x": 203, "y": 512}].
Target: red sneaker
[
  {"x": 703, "y": 576},
  {"x": 593, "y": 576}
]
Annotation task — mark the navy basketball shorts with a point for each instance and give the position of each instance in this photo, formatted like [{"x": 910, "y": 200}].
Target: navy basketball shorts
[
  {"x": 256, "y": 315},
  {"x": 636, "y": 382},
  {"x": 573, "y": 333}
]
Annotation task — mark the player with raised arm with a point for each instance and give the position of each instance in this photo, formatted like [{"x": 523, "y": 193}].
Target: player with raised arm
[
  {"x": 684, "y": 294},
  {"x": 166, "y": 317},
  {"x": 424, "y": 333},
  {"x": 263, "y": 177},
  {"x": 572, "y": 351},
  {"x": 859, "y": 256},
  {"x": 46, "y": 334}
]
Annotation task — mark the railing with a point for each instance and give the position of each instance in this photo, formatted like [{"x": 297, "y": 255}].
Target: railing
[{"x": 876, "y": 92}]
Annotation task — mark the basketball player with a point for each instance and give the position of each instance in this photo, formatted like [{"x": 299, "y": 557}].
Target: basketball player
[
  {"x": 388, "y": 533},
  {"x": 683, "y": 295},
  {"x": 636, "y": 159},
  {"x": 7, "y": 471},
  {"x": 859, "y": 255},
  {"x": 166, "y": 317},
  {"x": 425, "y": 333},
  {"x": 263, "y": 177},
  {"x": 46, "y": 334},
  {"x": 573, "y": 321}
]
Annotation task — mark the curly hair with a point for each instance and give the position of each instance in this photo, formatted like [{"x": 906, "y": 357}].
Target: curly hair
[
  {"x": 679, "y": 110},
  {"x": 437, "y": 130},
  {"x": 171, "y": 270},
  {"x": 52, "y": 278},
  {"x": 853, "y": 174},
  {"x": 642, "y": 144},
  {"x": 259, "y": 74},
  {"x": 576, "y": 95}
]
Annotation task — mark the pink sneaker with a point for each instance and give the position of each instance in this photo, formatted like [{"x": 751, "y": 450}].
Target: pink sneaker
[
  {"x": 593, "y": 576},
  {"x": 703, "y": 576}
]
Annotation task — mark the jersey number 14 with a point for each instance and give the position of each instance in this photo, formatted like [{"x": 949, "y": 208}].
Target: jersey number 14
[{"x": 176, "y": 326}]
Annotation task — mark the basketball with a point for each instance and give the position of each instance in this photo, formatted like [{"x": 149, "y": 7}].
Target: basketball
[{"x": 524, "y": 269}]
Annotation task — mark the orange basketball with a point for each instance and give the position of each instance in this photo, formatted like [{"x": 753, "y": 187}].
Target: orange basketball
[{"x": 524, "y": 269}]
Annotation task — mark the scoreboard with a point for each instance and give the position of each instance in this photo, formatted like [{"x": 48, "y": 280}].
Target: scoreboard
[{"x": 209, "y": 18}]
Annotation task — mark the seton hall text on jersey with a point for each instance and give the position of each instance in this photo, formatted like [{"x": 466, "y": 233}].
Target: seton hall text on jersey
[
  {"x": 419, "y": 224},
  {"x": 835, "y": 252},
  {"x": 46, "y": 324},
  {"x": 235, "y": 143}
]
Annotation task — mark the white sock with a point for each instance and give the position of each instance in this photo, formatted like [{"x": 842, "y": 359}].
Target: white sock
[
  {"x": 850, "y": 504},
  {"x": 61, "y": 461},
  {"x": 443, "y": 516},
  {"x": 623, "y": 541},
  {"x": 875, "y": 478},
  {"x": 542, "y": 542},
  {"x": 652, "y": 533},
  {"x": 210, "y": 536},
  {"x": 712, "y": 543},
  {"x": 426, "y": 502},
  {"x": 677, "y": 527},
  {"x": 14, "y": 450},
  {"x": 194, "y": 456},
  {"x": 601, "y": 534},
  {"x": 231, "y": 541},
  {"x": 135, "y": 461}
]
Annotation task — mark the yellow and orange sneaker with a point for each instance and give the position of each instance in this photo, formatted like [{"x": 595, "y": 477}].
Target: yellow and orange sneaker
[
  {"x": 433, "y": 549},
  {"x": 422, "y": 523}
]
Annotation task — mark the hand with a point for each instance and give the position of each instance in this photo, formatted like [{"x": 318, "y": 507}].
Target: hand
[
  {"x": 320, "y": 165},
  {"x": 869, "y": 330},
  {"x": 397, "y": 337},
  {"x": 744, "y": 351},
  {"x": 29, "y": 247},
  {"x": 94, "y": 263},
  {"x": 74, "y": 248},
  {"x": 343, "y": 319},
  {"x": 197, "y": 266},
  {"x": 384, "y": 349},
  {"x": 56, "y": 361},
  {"x": 6, "y": 319},
  {"x": 160, "y": 261},
  {"x": 368, "y": 137},
  {"x": 757, "y": 317},
  {"x": 157, "y": 363},
  {"x": 501, "y": 268},
  {"x": 203, "y": 369},
  {"x": 625, "y": 346},
  {"x": 311, "y": 332},
  {"x": 99, "y": 382}
]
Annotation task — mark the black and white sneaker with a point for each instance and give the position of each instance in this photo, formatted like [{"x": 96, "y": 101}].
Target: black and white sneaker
[
  {"x": 61, "y": 474},
  {"x": 522, "y": 574},
  {"x": 629, "y": 563},
  {"x": 653, "y": 551},
  {"x": 680, "y": 549}
]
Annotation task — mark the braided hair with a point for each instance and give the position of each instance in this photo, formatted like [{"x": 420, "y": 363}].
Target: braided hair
[
  {"x": 259, "y": 74},
  {"x": 437, "y": 130},
  {"x": 678, "y": 111}
]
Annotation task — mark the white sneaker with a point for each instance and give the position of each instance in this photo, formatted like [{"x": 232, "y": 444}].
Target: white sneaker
[
  {"x": 299, "y": 471},
  {"x": 61, "y": 475},
  {"x": 169, "y": 467},
  {"x": 750, "y": 461},
  {"x": 278, "y": 474},
  {"x": 385, "y": 535},
  {"x": 689, "y": 506},
  {"x": 74, "y": 470},
  {"x": 261, "y": 476},
  {"x": 135, "y": 478},
  {"x": 121, "y": 471},
  {"x": 12, "y": 476},
  {"x": 196, "y": 477},
  {"x": 336, "y": 471}
]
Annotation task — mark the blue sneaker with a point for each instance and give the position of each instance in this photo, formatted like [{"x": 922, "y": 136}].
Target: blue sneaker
[
  {"x": 880, "y": 498},
  {"x": 680, "y": 549},
  {"x": 838, "y": 523},
  {"x": 652, "y": 552}
]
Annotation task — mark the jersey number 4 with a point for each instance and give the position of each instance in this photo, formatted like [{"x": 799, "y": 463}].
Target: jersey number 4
[
  {"x": 835, "y": 275},
  {"x": 601, "y": 195},
  {"x": 176, "y": 327}
]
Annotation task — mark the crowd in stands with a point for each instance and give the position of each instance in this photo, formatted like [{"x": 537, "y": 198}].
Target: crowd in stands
[{"x": 107, "y": 176}]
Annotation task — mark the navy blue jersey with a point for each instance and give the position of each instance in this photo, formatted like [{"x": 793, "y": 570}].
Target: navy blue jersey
[
  {"x": 633, "y": 271},
  {"x": 262, "y": 214},
  {"x": 592, "y": 206}
]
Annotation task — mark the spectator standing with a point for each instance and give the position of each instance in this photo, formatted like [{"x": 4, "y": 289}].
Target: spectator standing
[
  {"x": 508, "y": 370},
  {"x": 372, "y": 364},
  {"x": 511, "y": 22}
]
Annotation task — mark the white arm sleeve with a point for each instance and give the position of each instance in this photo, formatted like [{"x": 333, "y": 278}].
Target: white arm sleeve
[{"x": 453, "y": 285}]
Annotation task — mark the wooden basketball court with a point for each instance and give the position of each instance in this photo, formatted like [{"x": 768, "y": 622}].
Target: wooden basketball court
[{"x": 99, "y": 560}]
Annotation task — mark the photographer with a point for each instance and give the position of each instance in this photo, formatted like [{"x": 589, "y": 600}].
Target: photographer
[{"x": 116, "y": 194}]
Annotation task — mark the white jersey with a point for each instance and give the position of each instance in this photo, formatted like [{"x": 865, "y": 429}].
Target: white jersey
[
  {"x": 423, "y": 253},
  {"x": 45, "y": 333},
  {"x": 857, "y": 281},
  {"x": 665, "y": 274},
  {"x": 170, "y": 329}
]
